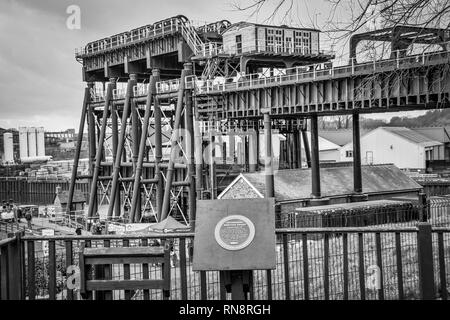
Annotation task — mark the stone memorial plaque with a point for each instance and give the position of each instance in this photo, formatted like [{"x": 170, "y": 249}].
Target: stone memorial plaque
[{"x": 235, "y": 234}]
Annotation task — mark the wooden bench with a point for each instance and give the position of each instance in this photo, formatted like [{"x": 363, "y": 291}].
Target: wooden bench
[{"x": 124, "y": 256}]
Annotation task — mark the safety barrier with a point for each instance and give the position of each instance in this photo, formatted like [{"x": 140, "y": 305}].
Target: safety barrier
[
  {"x": 332, "y": 263},
  {"x": 314, "y": 72}
]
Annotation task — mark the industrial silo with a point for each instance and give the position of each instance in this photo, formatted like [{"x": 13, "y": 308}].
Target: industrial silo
[
  {"x": 32, "y": 152},
  {"x": 40, "y": 136},
  {"x": 23, "y": 142},
  {"x": 8, "y": 147}
]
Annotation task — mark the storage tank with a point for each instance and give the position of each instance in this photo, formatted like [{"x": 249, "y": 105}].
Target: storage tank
[
  {"x": 23, "y": 142},
  {"x": 40, "y": 136},
  {"x": 32, "y": 142},
  {"x": 8, "y": 147}
]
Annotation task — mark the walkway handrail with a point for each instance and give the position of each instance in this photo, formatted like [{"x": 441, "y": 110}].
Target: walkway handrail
[
  {"x": 161, "y": 28},
  {"x": 306, "y": 73}
]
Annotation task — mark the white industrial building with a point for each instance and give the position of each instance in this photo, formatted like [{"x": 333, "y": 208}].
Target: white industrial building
[
  {"x": 31, "y": 142},
  {"x": 8, "y": 145},
  {"x": 246, "y": 37},
  {"x": 403, "y": 147},
  {"x": 328, "y": 150}
]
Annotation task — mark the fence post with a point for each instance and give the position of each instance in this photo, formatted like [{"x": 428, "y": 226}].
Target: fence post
[
  {"x": 425, "y": 259},
  {"x": 423, "y": 207}
]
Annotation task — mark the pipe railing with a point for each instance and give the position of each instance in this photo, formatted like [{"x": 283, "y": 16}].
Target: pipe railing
[
  {"x": 165, "y": 27},
  {"x": 263, "y": 46},
  {"x": 296, "y": 74},
  {"x": 309, "y": 73}
]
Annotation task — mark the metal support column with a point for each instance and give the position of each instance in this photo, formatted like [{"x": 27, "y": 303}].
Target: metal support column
[
  {"x": 268, "y": 161},
  {"x": 98, "y": 156},
  {"x": 92, "y": 153},
  {"x": 297, "y": 150},
  {"x": 190, "y": 149},
  {"x": 136, "y": 138},
  {"x": 140, "y": 153},
  {"x": 115, "y": 143},
  {"x": 198, "y": 159},
  {"x": 357, "y": 176},
  {"x": 126, "y": 110},
  {"x": 307, "y": 149},
  {"x": 173, "y": 147},
  {"x": 158, "y": 156},
  {"x": 86, "y": 100},
  {"x": 252, "y": 151},
  {"x": 315, "y": 165},
  {"x": 212, "y": 165}
]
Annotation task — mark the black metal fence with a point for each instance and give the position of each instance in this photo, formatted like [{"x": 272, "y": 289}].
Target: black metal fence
[
  {"x": 332, "y": 263},
  {"x": 398, "y": 260},
  {"x": 34, "y": 191},
  {"x": 435, "y": 210}
]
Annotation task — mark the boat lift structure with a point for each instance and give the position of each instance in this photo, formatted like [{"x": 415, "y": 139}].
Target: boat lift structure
[{"x": 183, "y": 90}]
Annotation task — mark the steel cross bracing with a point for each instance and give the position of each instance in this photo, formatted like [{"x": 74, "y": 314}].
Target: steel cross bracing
[{"x": 148, "y": 189}]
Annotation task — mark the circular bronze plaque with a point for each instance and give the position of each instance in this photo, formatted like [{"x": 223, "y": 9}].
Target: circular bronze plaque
[{"x": 234, "y": 232}]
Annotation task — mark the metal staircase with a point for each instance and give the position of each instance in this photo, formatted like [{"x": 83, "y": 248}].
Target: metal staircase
[{"x": 191, "y": 36}]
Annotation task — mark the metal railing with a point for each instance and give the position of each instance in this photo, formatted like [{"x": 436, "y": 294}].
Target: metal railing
[
  {"x": 164, "y": 27},
  {"x": 328, "y": 264},
  {"x": 314, "y": 72},
  {"x": 263, "y": 46}
]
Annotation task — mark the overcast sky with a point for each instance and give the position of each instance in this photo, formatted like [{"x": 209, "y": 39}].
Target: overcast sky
[{"x": 40, "y": 82}]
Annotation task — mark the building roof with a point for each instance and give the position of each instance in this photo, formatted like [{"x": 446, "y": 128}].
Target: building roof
[
  {"x": 412, "y": 136},
  {"x": 441, "y": 134},
  {"x": 335, "y": 181},
  {"x": 340, "y": 137},
  {"x": 245, "y": 24},
  {"x": 78, "y": 197},
  {"x": 324, "y": 143}
]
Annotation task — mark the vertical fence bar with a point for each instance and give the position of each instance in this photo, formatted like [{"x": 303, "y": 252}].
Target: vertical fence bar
[
  {"x": 362, "y": 284},
  {"x": 13, "y": 271},
  {"x": 345, "y": 263},
  {"x": 269, "y": 284},
  {"x": 203, "y": 289},
  {"x": 69, "y": 262},
  {"x": 145, "y": 273},
  {"x": 398, "y": 253},
  {"x": 107, "y": 273},
  {"x": 23, "y": 271},
  {"x": 305, "y": 266},
  {"x": 442, "y": 274},
  {"x": 286, "y": 267},
  {"x": 88, "y": 244},
  {"x": 425, "y": 252},
  {"x": 326, "y": 254},
  {"x": 380, "y": 265},
  {"x": 51, "y": 270},
  {"x": 31, "y": 280},
  {"x": 183, "y": 273},
  {"x": 223, "y": 292},
  {"x": 166, "y": 273},
  {"x": 4, "y": 279},
  {"x": 126, "y": 271}
]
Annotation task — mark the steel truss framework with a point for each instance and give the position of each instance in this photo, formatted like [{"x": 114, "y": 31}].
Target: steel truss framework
[{"x": 157, "y": 133}]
